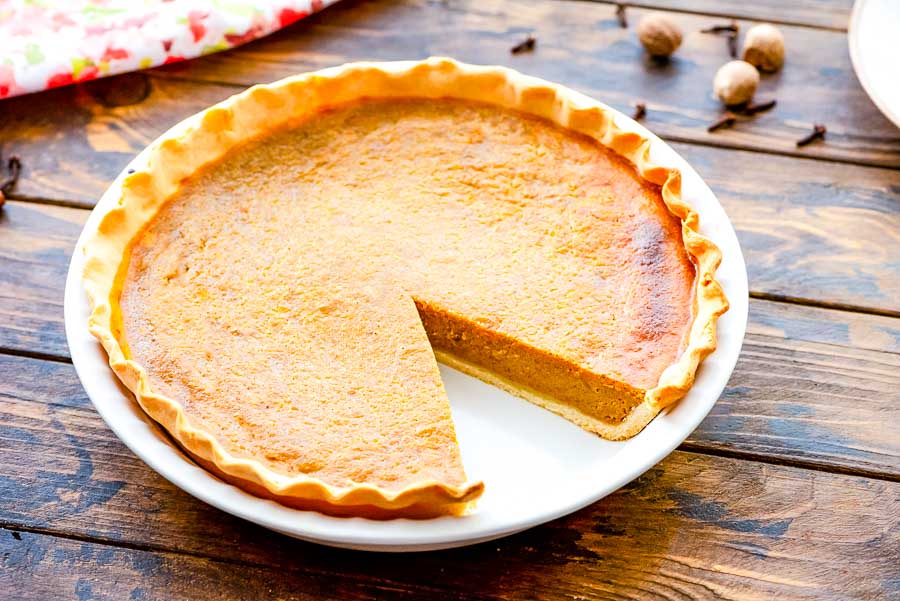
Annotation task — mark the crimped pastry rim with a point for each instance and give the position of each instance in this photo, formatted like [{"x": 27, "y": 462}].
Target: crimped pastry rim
[{"x": 208, "y": 135}]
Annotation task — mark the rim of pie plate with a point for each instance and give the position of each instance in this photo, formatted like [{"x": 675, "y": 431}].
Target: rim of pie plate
[{"x": 632, "y": 457}]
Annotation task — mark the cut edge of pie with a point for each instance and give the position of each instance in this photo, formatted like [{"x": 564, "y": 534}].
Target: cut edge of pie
[{"x": 210, "y": 134}]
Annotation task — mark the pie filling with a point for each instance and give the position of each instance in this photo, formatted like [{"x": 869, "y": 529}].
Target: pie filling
[
  {"x": 290, "y": 294},
  {"x": 520, "y": 365}
]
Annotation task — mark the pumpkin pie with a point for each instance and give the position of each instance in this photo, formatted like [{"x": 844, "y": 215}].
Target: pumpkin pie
[{"x": 277, "y": 281}]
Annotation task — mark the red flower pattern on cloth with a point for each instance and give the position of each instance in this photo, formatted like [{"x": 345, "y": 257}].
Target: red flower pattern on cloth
[{"x": 49, "y": 44}]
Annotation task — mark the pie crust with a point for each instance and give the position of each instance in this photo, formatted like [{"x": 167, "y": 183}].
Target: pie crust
[{"x": 209, "y": 135}]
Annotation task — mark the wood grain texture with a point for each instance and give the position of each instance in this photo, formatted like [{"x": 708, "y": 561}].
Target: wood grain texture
[
  {"x": 815, "y": 230},
  {"x": 811, "y": 230},
  {"x": 813, "y": 386},
  {"x": 695, "y": 526},
  {"x": 800, "y": 395},
  {"x": 580, "y": 44},
  {"x": 74, "y": 140},
  {"x": 82, "y": 518},
  {"x": 73, "y": 143},
  {"x": 39, "y": 567},
  {"x": 36, "y": 243},
  {"x": 831, "y": 14}
]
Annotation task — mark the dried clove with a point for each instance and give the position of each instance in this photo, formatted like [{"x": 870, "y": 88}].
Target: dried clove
[
  {"x": 752, "y": 109},
  {"x": 732, "y": 44},
  {"x": 732, "y": 28},
  {"x": 13, "y": 169},
  {"x": 818, "y": 133},
  {"x": 525, "y": 46},
  {"x": 620, "y": 15},
  {"x": 727, "y": 120},
  {"x": 640, "y": 111}
]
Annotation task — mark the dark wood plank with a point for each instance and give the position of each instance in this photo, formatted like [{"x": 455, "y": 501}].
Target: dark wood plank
[
  {"x": 694, "y": 526},
  {"x": 36, "y": 244},
  {"x": 831, "y": 14},
  {"x": 74, "y": 140},
  {"x": 581, "y": 45},
  {"x": 779, "y": 404},
  {"x": 815, "y": 230},
  {"x": 72, "y": 145},
  {"x": 809, "y": 402},
  {"x": 812, "y": 230},
  {"x": 38, "y": 567},
  {"x": 812, "y": 385},
  {"x": 791, "y": 322}
]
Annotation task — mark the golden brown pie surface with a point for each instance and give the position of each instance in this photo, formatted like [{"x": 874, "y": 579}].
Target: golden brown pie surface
[{"x": 288, "y": 295}]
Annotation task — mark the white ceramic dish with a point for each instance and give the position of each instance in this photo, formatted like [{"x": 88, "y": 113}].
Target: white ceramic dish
[
  {"x": 874, "y": 40},
  {"x": 505, "y": 441}
]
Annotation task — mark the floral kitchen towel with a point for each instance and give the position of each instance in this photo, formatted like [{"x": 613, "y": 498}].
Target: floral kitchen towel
[{"x": 50, "y": 43}]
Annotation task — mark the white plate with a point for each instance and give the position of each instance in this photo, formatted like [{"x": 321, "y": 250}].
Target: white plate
[
  {"x": 505, "y": 441},
  {"x": 874, "y": 40}
]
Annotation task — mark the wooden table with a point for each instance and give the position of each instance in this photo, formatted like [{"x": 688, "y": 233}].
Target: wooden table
[{"x": 790, "y": 488}]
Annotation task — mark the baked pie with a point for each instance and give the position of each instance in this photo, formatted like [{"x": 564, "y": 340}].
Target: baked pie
[{"x": 276, "y": 283}]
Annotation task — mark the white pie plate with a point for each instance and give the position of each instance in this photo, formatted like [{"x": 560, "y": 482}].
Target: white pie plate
[
  {"x": 536, "y": 466},
  {"x": 874, "y": 49}
]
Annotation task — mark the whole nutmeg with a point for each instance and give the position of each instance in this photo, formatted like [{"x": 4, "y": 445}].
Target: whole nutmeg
[
  {"x": 735, "y": 82},
  {"x": 659, "y": 34},
  {"x": 764, "y": 47}
]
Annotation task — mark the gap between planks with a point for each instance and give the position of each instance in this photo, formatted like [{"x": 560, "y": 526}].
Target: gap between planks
[
  {"x": 687, "y": 11},
  {"x": 16, "y": 352},
  {"x": 14, "y": 529},
  {"x": 781, "y": 461},
  {"x": 99, "y": 540},
  {"x": 809, "y": 302},
  {"x": 56, "y": 202},
  {"x": 766, "y": 151}
]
